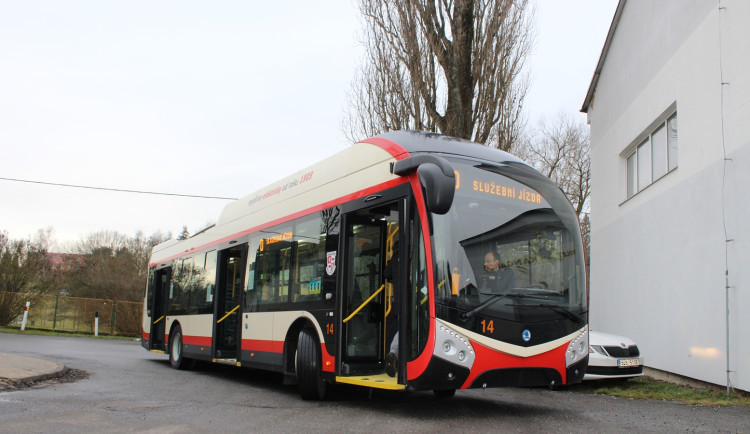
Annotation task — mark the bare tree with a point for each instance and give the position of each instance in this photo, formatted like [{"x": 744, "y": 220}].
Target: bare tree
[
  {"x": 184, "y": 235},
  {"x": 560, "y": 150},
  {"x": 114, "y": 265},
  {"x": 449, "y": 66},
  {"x": 24, "y": 274}
]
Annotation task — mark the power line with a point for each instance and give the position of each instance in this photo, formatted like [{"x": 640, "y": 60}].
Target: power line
[{"x": 121, "y": 190}]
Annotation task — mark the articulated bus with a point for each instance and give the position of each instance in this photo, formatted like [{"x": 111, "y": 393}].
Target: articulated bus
[{"x": 408, "y": 261}]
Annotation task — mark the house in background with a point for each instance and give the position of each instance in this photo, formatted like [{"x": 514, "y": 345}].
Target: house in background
[
  {"x": 64, "y": 261},
  {"x": 669, "y": 111}
]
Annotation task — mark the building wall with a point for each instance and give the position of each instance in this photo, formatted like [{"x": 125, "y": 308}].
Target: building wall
[{"x": 658, "y": 259}]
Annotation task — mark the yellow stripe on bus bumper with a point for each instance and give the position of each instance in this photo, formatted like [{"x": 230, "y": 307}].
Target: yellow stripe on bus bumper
[{"x": 382, "y": 381}]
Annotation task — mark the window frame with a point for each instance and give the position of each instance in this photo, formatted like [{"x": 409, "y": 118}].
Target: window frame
[{"x": 643, "y": 149}]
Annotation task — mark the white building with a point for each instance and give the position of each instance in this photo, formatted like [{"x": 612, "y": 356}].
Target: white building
[{"x": 669, "y": 110}]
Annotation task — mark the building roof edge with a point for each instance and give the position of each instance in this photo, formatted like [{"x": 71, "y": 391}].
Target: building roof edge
[{"x": 602, "y": 57}]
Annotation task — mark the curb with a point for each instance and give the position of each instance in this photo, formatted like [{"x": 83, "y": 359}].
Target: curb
[
  {"x": 37, "y": 378},
  {"x": 19, "y": 370}
]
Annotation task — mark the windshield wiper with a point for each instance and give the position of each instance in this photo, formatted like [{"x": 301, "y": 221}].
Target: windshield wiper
[
  {"x": 487, "y": 303},
  {"x": 561, "y": 310}
]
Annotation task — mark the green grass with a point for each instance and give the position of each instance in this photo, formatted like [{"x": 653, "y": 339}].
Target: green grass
[
  {"x": 31, "y": 331},
  {"x": 649, "y": 388}
]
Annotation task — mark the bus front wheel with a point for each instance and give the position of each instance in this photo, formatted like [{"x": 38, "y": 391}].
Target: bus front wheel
[
  {"x": 175, "y": 350},
  {"x": 308, "y": 366},
  {"x": 444, "y": 393}
]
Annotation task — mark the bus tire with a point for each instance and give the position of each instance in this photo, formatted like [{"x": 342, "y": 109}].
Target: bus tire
[
  {"x": 444, "y": 393},
  {"x": 308, "y": 366},
  {"x": 175, "y": 350}
]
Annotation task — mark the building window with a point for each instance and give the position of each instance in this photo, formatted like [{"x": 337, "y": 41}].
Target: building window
[{"x": 654, "y": 157}]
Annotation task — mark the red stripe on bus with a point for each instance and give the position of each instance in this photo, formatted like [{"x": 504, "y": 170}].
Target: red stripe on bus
[
  {"x": 204, "y": 341},
  {"x": 343, "y": 199},
  {"x": 329, "y": 362},
  {"x": 392, "y": 148},
  {"x": 416, "y": 367},
  {"x": 488, "y": 359},
  {"x": 263, "y": 345},
  {"x": 145, "y": 335}
]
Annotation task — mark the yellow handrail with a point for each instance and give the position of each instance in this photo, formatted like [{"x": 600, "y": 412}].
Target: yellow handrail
[
  {"x": 365, "y": 303},
  {"x": 228, "y": 313},
  {"x": 388, "y": 299},
  {"x": 160, "y": 318}
]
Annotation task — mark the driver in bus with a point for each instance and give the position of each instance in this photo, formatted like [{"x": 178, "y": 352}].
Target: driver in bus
[{"x": 496, "y": 279}]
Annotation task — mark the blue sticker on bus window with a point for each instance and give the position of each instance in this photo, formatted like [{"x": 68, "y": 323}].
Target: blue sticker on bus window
[
  {"x": 526, "y": 335},
  {"x": 314, "y": 286}
]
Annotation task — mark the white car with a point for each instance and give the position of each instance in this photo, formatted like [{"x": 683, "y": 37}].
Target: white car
[{"x": 612, "y": 356}]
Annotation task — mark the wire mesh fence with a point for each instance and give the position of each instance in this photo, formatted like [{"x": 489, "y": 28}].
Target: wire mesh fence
[{"x": 75, "y": 314}]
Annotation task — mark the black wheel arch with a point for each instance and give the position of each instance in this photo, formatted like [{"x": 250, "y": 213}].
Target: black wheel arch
[{"x": 172, "y": 328}]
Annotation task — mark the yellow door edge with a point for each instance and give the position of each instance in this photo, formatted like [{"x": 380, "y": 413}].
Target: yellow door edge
[{"x": 381, "y": 381}]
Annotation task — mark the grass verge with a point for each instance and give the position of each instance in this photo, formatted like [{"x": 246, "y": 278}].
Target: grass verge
[
  {"x": 31, "y": 331},
  {"x": 649, "y": 388}
]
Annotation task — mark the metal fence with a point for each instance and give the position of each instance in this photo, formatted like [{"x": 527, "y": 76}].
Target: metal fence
[{"x": 74, "y": 314}]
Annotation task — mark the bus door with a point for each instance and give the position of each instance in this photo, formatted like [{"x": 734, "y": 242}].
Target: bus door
[
  {"x": 159, "y": 308},
  {"x": 370, "y": 308},
  {"x": 231, "y": 275}
]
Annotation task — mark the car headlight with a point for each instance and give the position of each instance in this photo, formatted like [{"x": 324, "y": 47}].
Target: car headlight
[
  {"x": 578, "y": 348},
  {"x": 597, "y": 349}
]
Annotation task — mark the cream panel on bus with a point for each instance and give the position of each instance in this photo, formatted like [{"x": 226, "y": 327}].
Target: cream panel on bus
[
  {"x": 354, "y": 183},
  {"x": 347, "y": 172},
  {"x": 257, "y": 326},
  {"x": 283, "y": 320},
  {"x": 193, "y": 325},
  {"x": 350, "y": 161},
  {"x": 145, "y": 318}
]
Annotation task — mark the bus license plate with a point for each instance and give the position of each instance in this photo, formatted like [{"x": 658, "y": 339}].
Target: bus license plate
[{"x": 625, "y": 363}]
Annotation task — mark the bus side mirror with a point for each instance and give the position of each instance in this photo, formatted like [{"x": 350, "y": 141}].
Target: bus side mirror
[
  {"x": 436, "y": 177},
  {"x": 437, "y": 187}
]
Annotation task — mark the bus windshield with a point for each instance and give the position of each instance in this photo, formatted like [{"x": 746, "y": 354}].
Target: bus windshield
[{"x": 509, "y": 249}]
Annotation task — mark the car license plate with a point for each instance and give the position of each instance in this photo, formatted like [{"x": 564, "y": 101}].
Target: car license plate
[{"x": 625, "y": 363}]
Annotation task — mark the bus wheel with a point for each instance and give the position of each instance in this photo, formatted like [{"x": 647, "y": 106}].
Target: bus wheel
[
  {"x": 308, "y": 366},
  {"x": 445, "y": 393},
  {"x": 175, "y": 350}
]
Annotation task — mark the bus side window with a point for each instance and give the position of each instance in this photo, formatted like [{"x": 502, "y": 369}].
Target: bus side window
[
  {"x": 203, "y": 300},
  {"x": 419, "y": 293},
  {"x": 252, "y": 292},
  {"x": 310, "y": 259},
  {"x": 150, "y": 291},
  {"x": 272, "y": 265},
  {"x": 179, "y": 292}
]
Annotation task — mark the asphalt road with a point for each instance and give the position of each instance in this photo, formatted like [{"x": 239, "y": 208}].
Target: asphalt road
[{"x": 129, "y": 389}]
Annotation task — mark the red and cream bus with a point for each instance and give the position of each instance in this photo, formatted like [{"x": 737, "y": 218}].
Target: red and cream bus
[{"x": 407, "y": 261}]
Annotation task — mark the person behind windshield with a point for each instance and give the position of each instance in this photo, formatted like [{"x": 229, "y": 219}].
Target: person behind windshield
[{"x": 496, "y": 279}]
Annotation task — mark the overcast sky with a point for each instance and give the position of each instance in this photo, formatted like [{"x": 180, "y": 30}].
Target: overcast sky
[{"x": 201, "y": 98}]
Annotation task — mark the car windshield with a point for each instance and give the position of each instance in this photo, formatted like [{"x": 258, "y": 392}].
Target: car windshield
[{"x": 509, "y": 248}]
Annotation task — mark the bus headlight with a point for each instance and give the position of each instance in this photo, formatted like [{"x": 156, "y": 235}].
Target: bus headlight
[
  {"x": 577, "y": 349},
  {"x": 453, "y": 346}
]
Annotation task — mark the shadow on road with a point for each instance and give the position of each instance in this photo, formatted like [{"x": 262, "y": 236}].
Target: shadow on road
[{"x": 422, "y": 404}]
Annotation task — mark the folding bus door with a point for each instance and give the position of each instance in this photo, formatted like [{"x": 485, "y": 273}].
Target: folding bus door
[
  {"x": 231, "y": 275},
  {"x": 370, "y": 308},
  {"x": 159, "y": 308}
]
